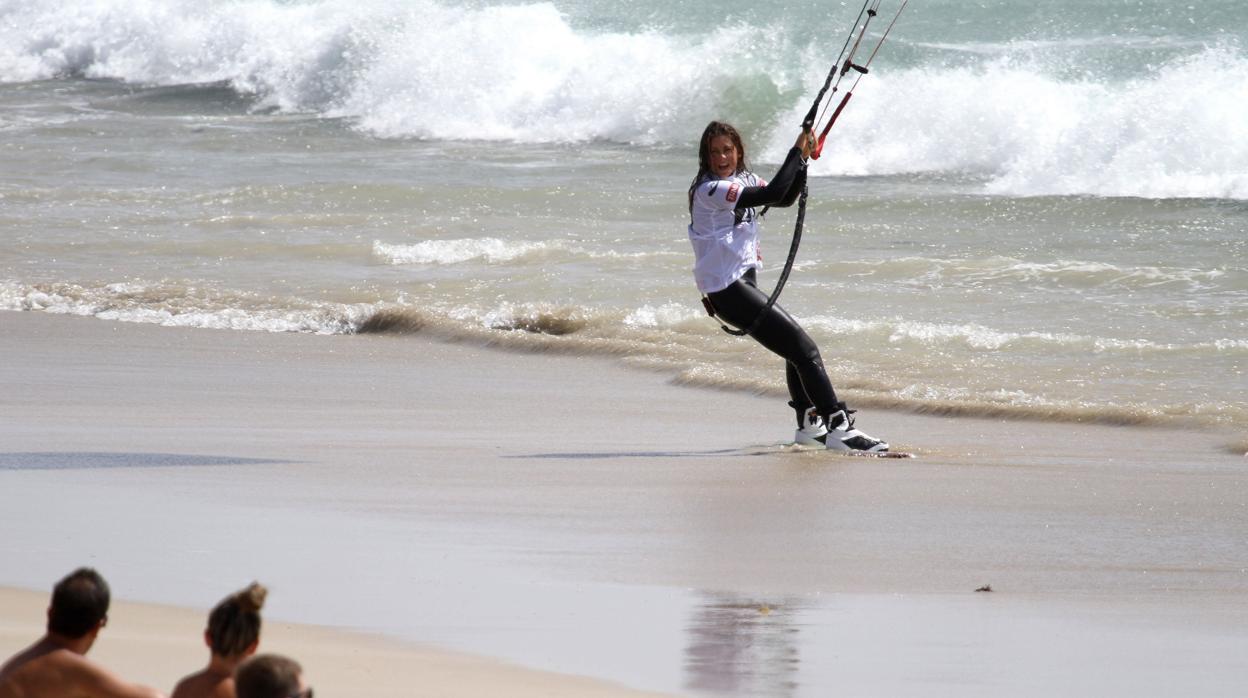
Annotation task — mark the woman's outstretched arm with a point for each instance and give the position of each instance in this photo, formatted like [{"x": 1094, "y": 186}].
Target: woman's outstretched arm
[{"x": 783, "y": 189}]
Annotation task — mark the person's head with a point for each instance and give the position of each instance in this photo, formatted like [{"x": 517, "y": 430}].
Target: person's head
[
  {"x": 721, "y": 150},
  {"x": 270, "y": 676},
  {"x": 79, "y": 604},
  {"x": 721, "y": 153},
  {"x": 234, "y": 624}
]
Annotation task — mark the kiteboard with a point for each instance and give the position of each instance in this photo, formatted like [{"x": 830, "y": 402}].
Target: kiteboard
[
  {"x": 876, "y": 454},
  {"x": 850, "y": 452}
]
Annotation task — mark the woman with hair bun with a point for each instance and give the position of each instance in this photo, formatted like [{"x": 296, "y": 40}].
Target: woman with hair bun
[{"x": 233, "y": 634}]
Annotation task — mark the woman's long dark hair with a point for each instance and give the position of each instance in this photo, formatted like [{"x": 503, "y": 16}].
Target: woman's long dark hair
[{"x": 714, "y": 129}]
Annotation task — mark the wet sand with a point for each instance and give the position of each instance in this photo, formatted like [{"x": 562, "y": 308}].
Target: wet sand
[{"x": 575, "y": 516}]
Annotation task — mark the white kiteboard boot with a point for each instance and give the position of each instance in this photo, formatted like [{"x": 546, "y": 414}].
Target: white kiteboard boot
[
  {"x": 843, "y": 436},
  {"x": 811, "y": 430}
]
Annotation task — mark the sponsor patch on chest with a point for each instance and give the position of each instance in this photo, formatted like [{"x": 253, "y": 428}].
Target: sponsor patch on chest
[{"x": 733, "y": 191}]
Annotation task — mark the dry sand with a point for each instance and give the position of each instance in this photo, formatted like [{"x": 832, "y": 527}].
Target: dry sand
[
  {"x": 576, "y": 516},
  {"x": 158, "y": 645}
]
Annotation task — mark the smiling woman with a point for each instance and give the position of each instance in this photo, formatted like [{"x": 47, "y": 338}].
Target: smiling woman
[
  {"x": 724, "y": 154},
  {"x": 723, "y": 229}
]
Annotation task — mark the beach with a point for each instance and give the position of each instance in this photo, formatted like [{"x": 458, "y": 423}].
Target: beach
[
  {"x": 501, "y": 509},
  {"x": 389, "y": 307},
  {"x": 154, "y": 645}
]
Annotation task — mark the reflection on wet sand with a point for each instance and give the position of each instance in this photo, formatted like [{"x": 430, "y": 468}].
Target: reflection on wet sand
[{"x": 743, "y": 646}]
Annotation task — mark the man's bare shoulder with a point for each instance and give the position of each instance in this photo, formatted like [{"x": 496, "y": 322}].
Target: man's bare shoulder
[
  {"x": 61, "y": 673},
  {"x": 42, "y": 671}
]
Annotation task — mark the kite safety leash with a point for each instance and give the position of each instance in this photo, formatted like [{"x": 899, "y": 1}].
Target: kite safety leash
[{"x": 845, "y": 62}]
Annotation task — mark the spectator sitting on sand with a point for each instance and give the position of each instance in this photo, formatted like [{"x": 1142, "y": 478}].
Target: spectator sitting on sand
[
  {"x": 271, "y": 676},
  {"x": 232, "y": 635},
  {"x": 56, "y": 665}
]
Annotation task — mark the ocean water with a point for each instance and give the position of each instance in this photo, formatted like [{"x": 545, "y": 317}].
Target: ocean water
[{"x": 1029, "y": 210}]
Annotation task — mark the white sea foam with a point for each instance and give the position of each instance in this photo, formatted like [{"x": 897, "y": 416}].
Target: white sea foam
[
  {"x": 981, "y": 338},
  {"x": 458, "y": 251},
  {"x": 666, "y": 315},
  {"x": 525, "y": 72},
  {"x": 419, "y": 68},
  {"x": 184, "y": 307},
  {"x": 490, "y": 250},
  {"x": 1179, "y": 132}
]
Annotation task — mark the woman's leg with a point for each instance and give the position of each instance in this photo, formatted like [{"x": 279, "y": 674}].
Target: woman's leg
[
  {"x": 739, "y": 305},
  {"x": 798, "y": 399},
  {"x": 808, "y": 382}
]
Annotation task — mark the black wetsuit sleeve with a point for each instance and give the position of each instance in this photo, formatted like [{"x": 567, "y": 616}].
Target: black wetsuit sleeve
[
  {"x": 799, "y": 181},
  {"x": 782, "y": 190}
]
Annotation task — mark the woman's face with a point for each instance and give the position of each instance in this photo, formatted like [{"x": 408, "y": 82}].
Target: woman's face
[{"x": 723, "y": 157}]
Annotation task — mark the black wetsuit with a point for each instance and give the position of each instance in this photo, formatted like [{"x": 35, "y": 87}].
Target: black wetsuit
[{"x": 741, "y": 302}]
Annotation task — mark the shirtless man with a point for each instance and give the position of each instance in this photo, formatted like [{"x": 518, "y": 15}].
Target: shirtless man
[{"x": 56, "y": 665}]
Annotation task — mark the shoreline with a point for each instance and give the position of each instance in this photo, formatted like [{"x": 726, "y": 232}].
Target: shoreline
[{"x": 581, "y": 517}]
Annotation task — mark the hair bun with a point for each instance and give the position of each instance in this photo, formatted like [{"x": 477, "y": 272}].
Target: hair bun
[{"x": 252, "y": 598}]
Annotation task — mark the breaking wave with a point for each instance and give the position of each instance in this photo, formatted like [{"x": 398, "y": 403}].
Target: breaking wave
[
  {"x": 1175, "y": 133},
  {"x": 1020, "y": 119}
]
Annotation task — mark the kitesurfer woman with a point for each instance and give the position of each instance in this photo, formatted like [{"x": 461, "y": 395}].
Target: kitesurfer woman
[{"x": 724, "y": 231}]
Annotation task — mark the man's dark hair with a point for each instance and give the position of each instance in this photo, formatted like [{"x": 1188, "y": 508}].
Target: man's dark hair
[
  {"x": 79, "y": 603},
  {"x": 267, "y": 676}
]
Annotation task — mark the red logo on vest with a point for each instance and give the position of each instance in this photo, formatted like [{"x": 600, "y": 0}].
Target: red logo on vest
[{"x": 733, "y": 190}]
